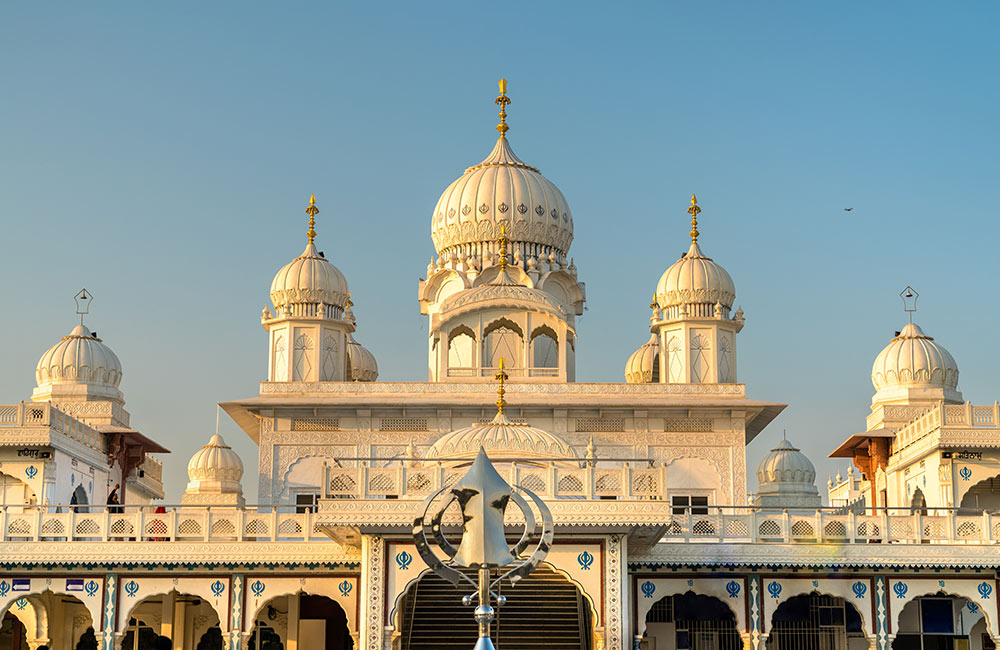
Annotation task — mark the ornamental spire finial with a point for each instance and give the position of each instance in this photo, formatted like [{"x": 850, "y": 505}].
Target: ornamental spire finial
[
  {"x": 83, "y": 299},
  {"x": 312, "y": 211},
  {"x": 502, "y": 241},
  {"x": 501, "y": 377},
  {"x": 909, "y": 296},
  {"x": 502, "y": 102},
  {"x": 694, "y": 210}
]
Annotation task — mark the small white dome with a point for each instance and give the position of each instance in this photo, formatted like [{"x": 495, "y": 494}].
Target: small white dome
[
  {"x": 501, "y": 189},
  {"x": 501, "y": 439},
  {"x": 695, "y": 279},
  {"x": 786, "y": 464},
  {"x": 361, "y": 362},
  {"x": 216, "y": 461},
  {"x": 786, "y": 478},
  {"x": 80, "y": 358},
  {"x": 309, "y": 279},
  {"x": 643, "y": 367},
  {"x": 913, "y": 359}
]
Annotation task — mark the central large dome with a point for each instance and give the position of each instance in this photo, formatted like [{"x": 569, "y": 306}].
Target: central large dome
[{"x": 502, "y": 189}]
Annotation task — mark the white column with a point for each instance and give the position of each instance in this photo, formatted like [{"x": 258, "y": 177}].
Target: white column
[
  {"x": 167, "y": 616},
  {"x": 180, "y": 616},
  {"x": 292, "y": 642}
]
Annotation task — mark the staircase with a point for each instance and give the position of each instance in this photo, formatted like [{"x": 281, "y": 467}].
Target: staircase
[{"x": 543, "y": 612}]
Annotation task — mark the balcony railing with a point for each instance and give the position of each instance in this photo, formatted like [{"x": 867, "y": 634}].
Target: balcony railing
[
  {"x": 142, "y": 524},
  {"x": 553, "y": 480},
  {"x": 43, "y": 414}
]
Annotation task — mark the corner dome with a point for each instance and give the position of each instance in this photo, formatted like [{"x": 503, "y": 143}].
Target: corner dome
[
  {"x": 501, "y": 189},
  {"x": 643, "y": 367},
  {"x": 309, "y": 279},
  {"x": 913, "y": 359},
  {"x": 360, "y": 362},
  {"x": 695, "y": 279},
  {"x": 80, "y": 358},
  {"x": 216, "y": 461},
  {"x": 501, "y": 439}
]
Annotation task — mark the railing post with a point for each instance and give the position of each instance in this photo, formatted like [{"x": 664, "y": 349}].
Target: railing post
[
  {"x": 885, "y": 525},
  {"x": 918, "y": 526},
  {"x": 754, "y": 533},
  {"x": 852, "y": 524},
  {"x": 968, "y": 412},
  {"x": 687, "y": 525},
  {"x": 553, "y": 477},
  {"x": 401, "y": 478},
  {"x": 174, "y": 516},
  {"x": 38, "y": 523},
  {"x": 241, "y": 524},
  {"x": 274, "y": 523},
  {"x": 307, "y": 515},
  {"x": 987, "y": 531},
  {"x": 325, "y": 490},
  {"x": 819, "y": 525},
  {"x": 207, "y": 531},
  {"x": 996, "y": 414},
  {"x": 107, "y": 524},
  {"x": 588, "y": 481},
  {"x": 626, "y": 480},
  {"x": 953, "y": 525},
  {"x": 662, "y": 485},
  {"x": 140, "y": 517},
  {"x": 786, "y": 528}
]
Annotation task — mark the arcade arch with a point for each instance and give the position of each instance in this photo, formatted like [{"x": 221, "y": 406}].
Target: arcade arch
[
  {"x": 984, "y": 495},
  {"x": 819, "y": 621},
  {"x": 312, "y": 621},
  {"x": 431, "y": 609},
  {"x": 183, "y": 618},
  {"x": 56, "y": 620},
  {"x": 691, "y": 621},
  {"x": 942, "y": 622}
]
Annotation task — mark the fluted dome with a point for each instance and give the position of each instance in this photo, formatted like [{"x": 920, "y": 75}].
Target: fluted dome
[
  {"x": 361, "y": 362},
  {"x": 695, "y": 279},
  {"x": 501, "y": 189},
  {"x": 786, "y": 477},
  {"x": 913, "y": 359},
  {"x": 643, "y": 367},
  {"x": 501, "y": 439},
  {"x": 309, "y": 279},
  {"x": 216, "y": 460},
  {"x": 80, "y": 358}
]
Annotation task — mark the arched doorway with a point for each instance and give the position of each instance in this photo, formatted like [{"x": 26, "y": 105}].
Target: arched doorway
[
  {"x": 15, "y": 492},
  {"x": 189, "y": 621},
  {"x": 942, "y": 622},
  {"x": 79, "y": 499},
  {"x": 816, "y": 622},
  {"x": 317, "y": 623},
  {"x": 57, "y": 620},
  {"x": 984, "y": 495},
  {"x": 544, "y": 611},
  {"x": 691, "y": 621},
  {"x": 13, "y": 634}
]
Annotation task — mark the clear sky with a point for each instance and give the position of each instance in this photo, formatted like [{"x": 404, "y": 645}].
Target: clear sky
[{"x": 161, "y": 154}]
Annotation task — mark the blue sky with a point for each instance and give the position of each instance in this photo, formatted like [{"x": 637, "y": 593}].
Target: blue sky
[{"x": 162, "y": 154}]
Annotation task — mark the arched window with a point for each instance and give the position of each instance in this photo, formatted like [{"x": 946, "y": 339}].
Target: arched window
[
  {"x": 461, "y": 348},
  {"x": 544, "y": 348},
  {"x": 701, "y": 348},
  {"x": 301, "y": 363},
  {"x": 502, "y": 339}
]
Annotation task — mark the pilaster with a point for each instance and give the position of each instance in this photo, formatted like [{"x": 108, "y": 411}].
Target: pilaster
[
  {"x": 373, "y": 591},
  {"x": 110, "y": 611}
]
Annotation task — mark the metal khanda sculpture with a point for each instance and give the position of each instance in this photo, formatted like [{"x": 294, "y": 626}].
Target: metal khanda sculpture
[{"x": 483, "y": 496}]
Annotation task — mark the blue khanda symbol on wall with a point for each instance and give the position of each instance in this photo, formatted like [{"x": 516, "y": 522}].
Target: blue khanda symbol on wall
[
  {"x": 965, "y": 473},
  {"x": 4, "y": 588},
  {"x": 31, "y": 472},
  {"x": 985, "y": 589},
  {"x": 973, "y": 608},
  {"x": 21, "y": 603},
  {"x": 647, "y": 589},
  {"x": 733, "y": 588},
  {"x": 403, "y": 560},
  {"x": 774, "y": 589},
  {"x": 345, "y": 588},
  {"x": 586, "y": 560},
  {"x": 257, "y": 588},
  {"x": 900, "y": 589},
  {"x": 91, "y": 588},
  {"x": 859, "y": 588},
  {"x": 218, "y": 588},
  {"x": 131, "y": 588}
]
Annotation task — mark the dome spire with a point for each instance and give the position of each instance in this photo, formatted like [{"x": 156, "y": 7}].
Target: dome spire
[
  {"x": 502, "y": 100},
  {"x": 501, "y": 377},
  {"x": 909, "y": 296},
  {"x": 694, "y": 211},
  {"x": 83, "y": 299},
  {"x": 312, "y": 211},
  {"x": 502, "y": 241}
]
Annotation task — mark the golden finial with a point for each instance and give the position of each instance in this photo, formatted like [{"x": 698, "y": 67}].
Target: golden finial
[
  {"x": 312, "y": 211},
  {"x": 654, "y": 303},
  {"x": 502, "y": 102},
  {"x": 500, "y": 377},
  {"x": 503, "y": 246},
  {"x": 350, "y": 303},
  {"x": 694, "y": 210}
]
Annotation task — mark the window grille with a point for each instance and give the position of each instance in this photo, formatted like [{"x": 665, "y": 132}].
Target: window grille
[
  {"x": 316, "y": 424},
  {"x": 402, "y": 424},
  {"x": 603, "y": 425}
]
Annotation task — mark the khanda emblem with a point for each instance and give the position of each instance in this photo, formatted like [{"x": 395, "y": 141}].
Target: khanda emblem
[{"x": 483, "y": 496}]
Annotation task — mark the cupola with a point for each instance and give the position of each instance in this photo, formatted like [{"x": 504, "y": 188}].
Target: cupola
[
  {"x": 502, "y": 283},
  {"x": 81, "y": 369},
  {"x": 214, "y": 474},
  {"x": 309, "y": 328},
  {"x": 786, "y": 478}
]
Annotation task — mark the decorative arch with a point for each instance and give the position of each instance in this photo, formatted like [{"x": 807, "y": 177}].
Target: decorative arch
[
  {"x": 984, "y": 495},
  {"x": 865, "y": 626},
  {"x": 983, "y": 598},
  {"x": 858, "y": 592},
  {"x": 37, "y": 599},
  {"x": 544, "y": 347},
  {"x": 128, "y": 610},
  {"x": 503, "y": 338},
  {"x": 462, "y": 347},
  {"x": 688, "y": 591},
  {"x": 343, "y": 590}
]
